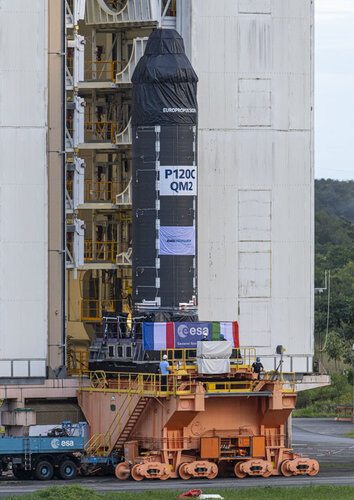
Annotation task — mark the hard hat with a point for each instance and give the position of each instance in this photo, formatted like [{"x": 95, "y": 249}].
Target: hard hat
[
  {"x": 205, "y": 334},
  {"x": 221, "y": 336},
  {"x": 164, "y": 356},
  {"x": 258, "y": 358}
]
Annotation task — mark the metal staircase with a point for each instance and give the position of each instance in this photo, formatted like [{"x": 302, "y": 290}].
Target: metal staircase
[
  {"x": 134, "y": 417},
  {"x": 121, "y": 427}
]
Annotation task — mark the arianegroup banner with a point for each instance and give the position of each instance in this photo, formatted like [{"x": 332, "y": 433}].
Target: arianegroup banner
[
  {"x": 177, "y": 240},
  {"x": 180, "y": 335}
]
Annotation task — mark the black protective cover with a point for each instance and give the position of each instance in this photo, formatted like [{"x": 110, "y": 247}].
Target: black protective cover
[
  {"x": 164, "y": 83},
  {"x": 164, "y": 95}
]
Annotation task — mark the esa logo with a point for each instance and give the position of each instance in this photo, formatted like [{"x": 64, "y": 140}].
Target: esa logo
[
  {"x": 184, "y": 330},
  {"x": 55, "y": 443}
]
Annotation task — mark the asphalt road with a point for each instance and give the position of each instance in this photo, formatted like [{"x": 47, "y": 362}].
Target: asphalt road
[{"x": 322, "y": 439}]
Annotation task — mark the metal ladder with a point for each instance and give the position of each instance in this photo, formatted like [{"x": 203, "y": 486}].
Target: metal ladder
[{"x": 27, "y": 450}]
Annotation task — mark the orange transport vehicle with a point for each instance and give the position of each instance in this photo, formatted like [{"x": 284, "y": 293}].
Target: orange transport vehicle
[{"x": 198, "y": 425}]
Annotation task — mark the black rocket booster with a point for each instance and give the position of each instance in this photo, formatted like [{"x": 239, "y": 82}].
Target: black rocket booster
[{"x": 164, "y": 184}]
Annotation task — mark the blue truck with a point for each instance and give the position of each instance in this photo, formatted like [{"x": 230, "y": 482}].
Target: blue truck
[{"x": 42, "y": 457}]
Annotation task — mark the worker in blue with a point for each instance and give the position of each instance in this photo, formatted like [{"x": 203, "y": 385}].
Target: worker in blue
[
  {"x": 222, "y": 337},
  {"x": 164, "y": 369},
  {"x": 258, "y": 367}
]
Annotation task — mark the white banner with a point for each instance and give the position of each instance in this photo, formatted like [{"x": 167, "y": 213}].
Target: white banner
[
  {"x": 178, "y": 240},
  {"x": 178, "y": 181}
]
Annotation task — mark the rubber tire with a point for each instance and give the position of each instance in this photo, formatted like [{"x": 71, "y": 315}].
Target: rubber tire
[
  {"x": 22, "y": 474},
  {"x": 71, "y": 466},
  {"x": 44, "y": 471}
]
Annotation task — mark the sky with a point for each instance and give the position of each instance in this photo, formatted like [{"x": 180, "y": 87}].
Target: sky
[{"x": 334, "y": 89}]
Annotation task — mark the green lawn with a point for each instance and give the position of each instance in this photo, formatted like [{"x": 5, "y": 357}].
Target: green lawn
[{"x": 263, "y": 493}]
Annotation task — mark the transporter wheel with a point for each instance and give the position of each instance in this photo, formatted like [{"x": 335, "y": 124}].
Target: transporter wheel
[
  {"x": 135, "y": 475},
  {"x": 214, "y": 473},
  {"x": 122, "y": 471},
  {"x": 67, "y": 469},
  {"x": 238, "y": 473},
  {"x": 267, "y": 474},
  {"x": 283, "y": 469},
  {"x": 316, "y": 467},
  {"x": 182, "y": 472},
  {"x": 44, "y": 470}
]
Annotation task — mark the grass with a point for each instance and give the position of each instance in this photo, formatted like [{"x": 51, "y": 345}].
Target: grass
[
  {"x": 76, "y": 492},
  {"x": 350, "y": 434}
]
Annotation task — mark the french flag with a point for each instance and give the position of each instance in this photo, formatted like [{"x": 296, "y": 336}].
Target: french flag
[{"x": 158, "y": 336}]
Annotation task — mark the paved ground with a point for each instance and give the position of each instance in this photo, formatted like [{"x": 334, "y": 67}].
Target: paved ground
[{"x": 322, "y": 439}]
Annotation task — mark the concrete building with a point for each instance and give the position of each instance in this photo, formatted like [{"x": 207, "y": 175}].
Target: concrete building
[{"x": 65, "y": 203}]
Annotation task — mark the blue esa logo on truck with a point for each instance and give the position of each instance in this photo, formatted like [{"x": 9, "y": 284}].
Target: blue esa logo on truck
[{"x": 63, "y": 443}]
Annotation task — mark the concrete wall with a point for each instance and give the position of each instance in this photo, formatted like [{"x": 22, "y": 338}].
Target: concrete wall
[
  {"x": 56, "y": 243},
  {"x": 254, "y": 59},
  {"x": 23, "y": 188}
]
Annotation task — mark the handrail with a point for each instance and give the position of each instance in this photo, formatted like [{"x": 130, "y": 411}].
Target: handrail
[
  {"x": 100, "y": 251},
  {"x": 101, "y": 191},
  {"x": 101, "y": 443},
  {"x": 77, "y": 361},
  {"x": 98, "y": 69},
  {"x": 152, "y": 385},
  {"x": 92, "y": 309},
  {"x": 104, "y": 131},
  {"x": 98, "y": 191},
  {"x": 142, "y": 384},
  {"x": 287, "y": 379},
  {"x": 245, "y": 357}
]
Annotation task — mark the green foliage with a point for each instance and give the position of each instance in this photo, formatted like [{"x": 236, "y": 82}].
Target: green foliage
[
  {"x": 331, "y": 230},
  {"x": 335, "y": 346},
  {"x": 268, "y": 493},
  {"x": 320, "y": 402},
  {"x": 334, "y": 251},
  {"x": 335, "y": 198}
]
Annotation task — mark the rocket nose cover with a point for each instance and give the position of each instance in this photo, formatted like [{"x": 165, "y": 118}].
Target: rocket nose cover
[{"x": 164, "y": 83}]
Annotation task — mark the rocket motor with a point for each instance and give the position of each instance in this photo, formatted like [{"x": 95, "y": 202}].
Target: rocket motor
[{"x": 164, "y": 182}]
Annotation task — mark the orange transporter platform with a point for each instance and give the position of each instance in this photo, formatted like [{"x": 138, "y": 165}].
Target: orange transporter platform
[{"x": 196, "y": 425}]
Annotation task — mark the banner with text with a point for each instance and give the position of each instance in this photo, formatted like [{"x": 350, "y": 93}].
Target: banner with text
[
  {"x": 188, "y": 334},
  {"x": 177, "y": 240},
  {"x": 178, "y": 181}
]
